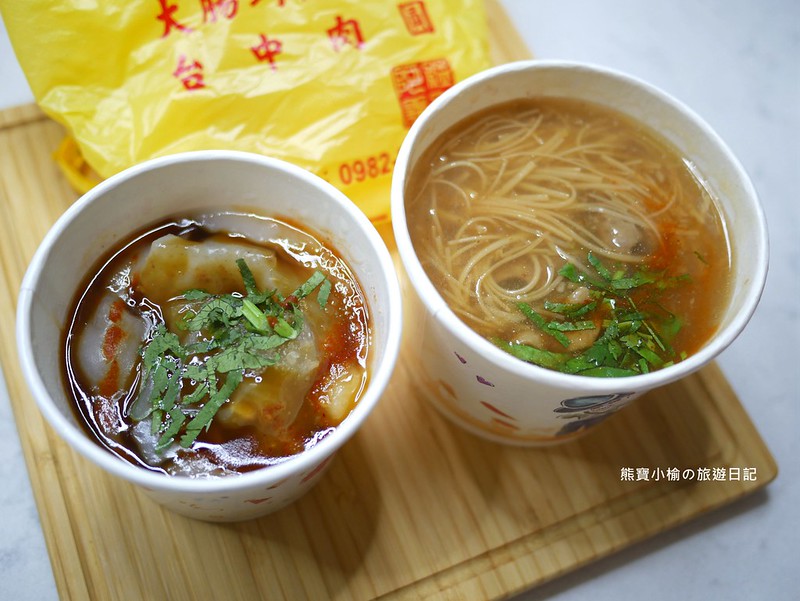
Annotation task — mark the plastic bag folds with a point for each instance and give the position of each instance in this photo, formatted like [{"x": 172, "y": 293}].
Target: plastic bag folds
[{"x": 331, "y": 86}]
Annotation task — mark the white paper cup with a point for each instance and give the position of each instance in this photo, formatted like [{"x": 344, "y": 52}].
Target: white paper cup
[
  {"x": 486, "y": 390},
  {"x": 180, "y": 185}
]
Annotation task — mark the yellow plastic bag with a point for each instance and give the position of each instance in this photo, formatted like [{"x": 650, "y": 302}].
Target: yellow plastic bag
[{"x": 330, "y": 85}]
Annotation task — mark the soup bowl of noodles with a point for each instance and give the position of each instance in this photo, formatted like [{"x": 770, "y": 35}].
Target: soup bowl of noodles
[
  {"x": 211, "y": 326},
  {"x": 572, "y": 237}
]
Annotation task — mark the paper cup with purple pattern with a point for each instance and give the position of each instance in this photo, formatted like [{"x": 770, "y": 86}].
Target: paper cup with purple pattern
[
  {"x": 184, "y": 184},
  {"x": 486, "y": 390}
]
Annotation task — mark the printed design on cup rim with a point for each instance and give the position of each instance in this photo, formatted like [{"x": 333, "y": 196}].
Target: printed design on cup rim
[
  {"x": 493, "y": 420},
  {"x": 218, "y": 506},
  {"x": 506, "y": 418},
  {"x": 308, "y": 475},
  {"x": 478, "y": 377},
  {"x": 496, "y": 421},
  {"x": 258, "y": 501},
  {"x": 497, "y": 416},
  {"x": 586, "y": 411},
  {"x": 582, "y": 412}
]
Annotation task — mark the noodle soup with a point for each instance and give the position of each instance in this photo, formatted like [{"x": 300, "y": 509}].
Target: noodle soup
[
  {"x": 572, "y": 237},
  {"x": 598, "y": 246}
]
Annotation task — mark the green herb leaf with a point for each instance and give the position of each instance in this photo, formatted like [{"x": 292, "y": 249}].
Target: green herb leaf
[
  {"x": 218, "y": 310},
  {"x": 542, "y": 324},
  {"x": 202, "y": 346},
  {"x": 649, "y": 355},
  {"x": 160, "y": 381},
  {"x": 571, "y": 272},
  {"x": 599, "y": 267},
  {"x": 245, "y": 354},
  {"x": 196, "y": 395},
  {"x": 171, "y": 393},
  {"x": 283, "y": 328},
  {"x": 310, "y": 284},
  {"x": 236, "y": 336},
  {"x": 570, "y": 326},
  {"x": 532, "y": 354},
  {"x": 204, "y": 417},
  {"x": 607, "y": 372},
  {"x": 631, "y": 341},
  {"x": 255, "y": 316},
  {"x": 637, "y": 279},
  {"x": 195, "y": 295},
  {"x": 569, "y": 309},
  {"x": 248, "y": 278},
  {"x": 161, "y": 342},
  {"x": 324, "y": 293},
  {"x": 177, "y": 419}
]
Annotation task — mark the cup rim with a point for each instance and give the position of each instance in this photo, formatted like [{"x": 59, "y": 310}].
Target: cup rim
[
  {"x": 76, "y": 438},
  {"x": 442, "y": 313}
]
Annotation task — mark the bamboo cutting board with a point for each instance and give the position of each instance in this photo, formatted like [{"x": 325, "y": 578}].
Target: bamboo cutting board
[{"x": 411, "y": 507}]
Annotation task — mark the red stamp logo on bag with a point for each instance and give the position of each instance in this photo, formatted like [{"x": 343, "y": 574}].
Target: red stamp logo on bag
[
  {"x": 418, "y": 84},
  {"x": 416, "y": 18}
]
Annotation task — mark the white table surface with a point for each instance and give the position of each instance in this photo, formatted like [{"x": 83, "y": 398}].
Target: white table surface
[{"x": 737, "y": 63}]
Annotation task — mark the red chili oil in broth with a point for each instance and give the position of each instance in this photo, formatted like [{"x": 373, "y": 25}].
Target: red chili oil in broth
[{"x": 103, "y": 409}]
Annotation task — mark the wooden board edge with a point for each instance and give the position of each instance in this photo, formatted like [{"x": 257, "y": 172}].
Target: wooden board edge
[
  {"x": 460, "y": 581},
  {"x": 20, "y": 115},
  {"x": 741, "y": 427}
]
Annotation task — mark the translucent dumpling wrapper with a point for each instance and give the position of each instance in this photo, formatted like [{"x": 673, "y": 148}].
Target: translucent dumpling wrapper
[
  {"x": 175, "y": 265},
  {"x": 108, "y": 347},
  {"x": 108, "y": 351},
  {"x": 268, "y": 400}
]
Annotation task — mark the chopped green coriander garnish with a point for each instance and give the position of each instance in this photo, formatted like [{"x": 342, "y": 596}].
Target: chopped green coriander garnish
[
  {"x": 630, "y": 341},
  {"x": 183, "y": 387}
]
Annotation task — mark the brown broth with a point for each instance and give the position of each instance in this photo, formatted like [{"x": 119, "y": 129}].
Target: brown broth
[
  {"x": 232, "y": 443},
  {"x": 548, "y": 181}
]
